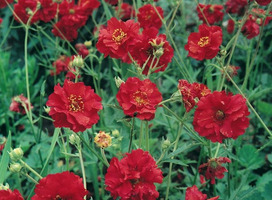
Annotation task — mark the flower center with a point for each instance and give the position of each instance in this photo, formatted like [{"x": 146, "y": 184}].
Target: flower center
[
  {"x": 71, "y": 11},
  {"x": 140, "y": 98},
  {"x": 220, "y": 115},
  {"x": 213, "y": 164},
  {"x": 58, "y": 197},
  {"x": 203, "y": 41},
  {"x": 118, "y": 35},
  {"x": 76, "y": 103}
]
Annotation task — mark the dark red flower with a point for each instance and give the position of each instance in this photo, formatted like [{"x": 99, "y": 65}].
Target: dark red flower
[
  {"x": 190, "y": 92},
  {"x": 139, "y": 98},
  {"x": 236, "y": 6},
  {"x": 60, "y": 65},
  {"x": 10, "y": 195},
  {"x": 263, "y": 2},
  {"x": 112, "y": 2},
  {"x": 65, "y": 185},
  {"x": 116, "y": 39},
  {"x": 133, "y": 177},
  {"x": 47, "y": 10},
  {"x": 86, "y": 7},
  {"x": 3, "y": 141},
  {"x": 250, "y": 29},
  {"x": 230, "y": 27},
  {"x": 148, "y": 17},
  {"x": 125, "y": 11},
  {"x": 219, "y": 116},
  {"x": 74, "y": 106},
  {"x": 205, "y": 43},
  {"x": 192, "y": 193},
  {"x": 18, "y": 103},
  {"x": 258, "y": 14},
  {"x": 1, "y": 20},
  {"x": 152, "y": 51},
  {"x": 66, "y": 31},
  {"x": 24, "y": 9},
  {"x": 214, "y": 168},
  {"x": 232, "y": 71},
  {"x": 3, "y": 3},
  {"x": 82, "y": 50},
  {"x": 212, "y": 13}
]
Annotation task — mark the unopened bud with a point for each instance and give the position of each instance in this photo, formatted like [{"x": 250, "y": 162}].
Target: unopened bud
[
  {"x": 159, "y": 52},
  {"x": 165, "y": 144},
  {"x": 259, "y": 21},
  {"x": 46, "y": 109},
  {"x": 115, "y": 133},
  {"x": 29, "y": 11},
  {"x": 4, "y": 187},
  {"x": 223, "y": 52},
  {"x": 78, "y": 61},
  {"x": 74, "y": 139},
  {"x": 16, "y": 154},
  {"x": 88, "y": 44},
  {"x": 118, "y": 81},
  {"x": 15, "y": 167}
]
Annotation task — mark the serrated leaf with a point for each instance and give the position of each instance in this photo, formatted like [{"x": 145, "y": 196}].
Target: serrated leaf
[
  {"x": 266, "y": 194},
  {"x": 175, "y": 161},
  {"x": 250, "y": 158}
]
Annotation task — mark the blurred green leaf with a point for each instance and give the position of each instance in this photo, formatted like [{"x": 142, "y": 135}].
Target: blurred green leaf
[
  {"x": 249, "y": 157},
  {"x": 5, "y": 160}
]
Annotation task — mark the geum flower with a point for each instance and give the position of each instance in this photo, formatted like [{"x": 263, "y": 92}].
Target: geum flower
[
  {"x": 152, "y": 52},
  {"x": 139, "y": 98},
  {"x": 65, "y": 185},
  {"x": 219, "y": 116},
  {"x": 117, "y": 37},
  {"x": 192, "y": 193},
  {"x": 214, "y": 169},
  {"x": 20, "y": 104},
  {"x": 74, "y": 106},
  {"x": 3, "y": 4},
  {"x": 190, "y": 92},
  {"x": 7, "y": 194},
  {"x": 211, "y": 13},
  {"x": 205, "y": 43},
  {"x": 133, "y": 177}
]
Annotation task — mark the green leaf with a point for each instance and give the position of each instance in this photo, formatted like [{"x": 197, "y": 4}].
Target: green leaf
[
  {"x": 175, "y": 161},
  {"x": 250, "y": 158},
  {"x": 266, "y": 194},
  {"x": 264, "y": 108},
  {"x": 5, "y": 160}
]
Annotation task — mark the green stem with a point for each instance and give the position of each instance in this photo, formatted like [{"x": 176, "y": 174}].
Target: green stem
[
  {"x": 29, "y": 177},
  {"x": 30, "y": 169},
  {"x": 141, "y": 134},
  {"x": 146, "y": 136},
  {"x": 82, "y": 167},
  {"x": 104, "y": 156},
  {"x": 131, "y": 134},
  {"x": 217, "y": 150}
]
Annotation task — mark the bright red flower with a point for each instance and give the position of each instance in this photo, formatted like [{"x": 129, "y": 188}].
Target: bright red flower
[
  {"x": 3, "y": 3},
  {"x": 205, "y": 43},
  {"x": 3, "y": 141},
  {"x": 74, "y": 106},
  {"x": 116, "y": 39},
  {"x": 152, "y": 47},
  {"x": 1, "y": 20},
  {"x": 190, "y": 92},
  {"x": 250, "y": 29},
  {"x": 126, "y": 11},
  {"x": 86, "y": 7},
  {"x": 236, "y": 6},
  {"x": 214, "y": 168},
  {"x": 65, "y": 185},
  {"x": 133, "y": 177},
  {"x": 24, "y": 9},
  {"x": 213, "y": 13},
  {"x": 230, "y": 27},
  {"x": 258, "y": 14},
  {"x": 82, "y": 50},
  {"x": 139, "y": 98},
  {"x": 60, "y": 65},
  {"x": 148, "y": 17},
  {"x": 219, "y": 116},
  {"x": 10, "y": 195},
  {"x": 47, "y": 10},
  {"x": 263, "y": 2},
  {"x": 18, "y": 103},
  {"x": 192, "y": 193},
  {"x": 65, "y": 29}
]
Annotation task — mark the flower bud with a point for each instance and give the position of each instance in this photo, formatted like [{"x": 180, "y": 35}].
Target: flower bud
[
  {"x": 118, "y": 81},
  {"x": 159, "y": 52},
  {"x": 15, "y": 167},
  {"x": 165, "y": 144},
  {"x": 115, "y": 133},
  {"x": 46, "y": 109},
  {"x": 16, "y": 154},
  {"x": 102, "y": 139},
  {"x": 88, "y": 44},
  {"x": 4, "y": 187},
  {"x": 74, "y": 139},
  {"x": 78, "y": 61},
  {"x": 223, "y": 52}
]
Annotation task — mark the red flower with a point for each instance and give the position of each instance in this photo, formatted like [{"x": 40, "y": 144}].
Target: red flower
[
  {"x": 139, "y": 98},
  {"x": 1, "y": 20},
  {"x": 230, "y": 27},
  {"x": 24, "y": 9},
  {"x": 125, "y": 12},
  {"x": 236, "y": 6},
  {"x": 3, "y": 3},
  {"x": 219, "y": 116},
  {"x": 82, "y": 50},
  {"x": 232, "y": 71},
  {"x": 3, "y": 141},
  {"x": 192, "y": 193},
  {"x": 213, "y": 13},
  {"x": 65, "y": 185},
  {"x": 148, "y": 16},
  {"x": 250, "y": 29},
  {"x": 258, "y": 14},
  {"x": 60, "y": 65},
  {"x": 112, "y": 2},
  {"x": 18, "y": 103},
  {"x": 214, "y": 168},
  {"x": 10, "y": 195},
  {"x": 263, "y": 2},
  {"x": 86, "y": 7},
  {"x": 191, "y": 91},
  {"x": 205, "y": 43},
  {"x": 116, "y": 39},
  {"x": 47, "y": 10},
  {"x": 74, "y": 106},
  {"x": 152, "y": 47},
  {"x": 133, "y": 177}
]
